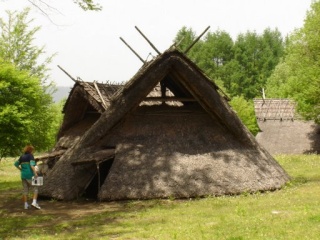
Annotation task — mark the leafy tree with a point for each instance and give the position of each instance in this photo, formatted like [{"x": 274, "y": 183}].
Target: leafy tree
[
  {"x": 19, "y": 98},
  {"x": 272, "y": 45},
  {"x": 276, "y": 85},
  {"x": 184, "y": 39},
  {"x": 256, "y": 58},
  {"x": 245, "y": 111},
  {"x": 298, "y": 76},
  {"x": 16, "y": 44},
  {"x": 26, "y": 104},
  {"x": 215, "y": 52},
  {"x": 242, "y": 66}
]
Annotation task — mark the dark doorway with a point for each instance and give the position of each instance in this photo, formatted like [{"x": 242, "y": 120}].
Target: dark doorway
[{"x": 93, "y": 188}]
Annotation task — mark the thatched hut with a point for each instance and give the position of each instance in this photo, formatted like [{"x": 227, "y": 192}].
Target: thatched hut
[
  {"x": 189, "y": 143},
  {"x": 84, "y": 106},
  {"x": 282, "y": 130}
]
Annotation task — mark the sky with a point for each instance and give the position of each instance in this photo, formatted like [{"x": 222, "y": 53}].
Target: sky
[{"x": 88, "y": 46}]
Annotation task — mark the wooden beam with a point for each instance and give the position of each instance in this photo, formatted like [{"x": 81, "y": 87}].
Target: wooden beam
[
  {"x": 132, "y": 49},
  {"x": 100, "y": 95},
  {"x": 196, "y": 40},
  {"x": 67, "y": 74},
  {"x": 92, "y": 161},
  {"x": 148, "y": 40},
  {"x": 167, "y": 99}
]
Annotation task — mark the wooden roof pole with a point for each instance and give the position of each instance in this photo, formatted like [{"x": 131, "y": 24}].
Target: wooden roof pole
[
  {"x": 67, "y": 74},
  {"x": 177, "y": 44},
  {"x": 148, "y": 40},
  {"x": 100, "y": 95},
  {"x": 132, "y": 49},
  {"x": 196, "y": 40}
]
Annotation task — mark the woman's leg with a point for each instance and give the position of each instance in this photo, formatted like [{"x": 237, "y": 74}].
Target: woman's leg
[
  {"x": 25, "y": 193},
  {"x": 35, "y": 197}
]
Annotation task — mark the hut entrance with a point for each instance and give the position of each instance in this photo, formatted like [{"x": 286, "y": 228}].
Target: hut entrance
[{"x": 93, "y": 188}]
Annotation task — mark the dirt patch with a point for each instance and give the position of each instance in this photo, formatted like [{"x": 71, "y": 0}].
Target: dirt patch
[{"x": 11, "y": 204}]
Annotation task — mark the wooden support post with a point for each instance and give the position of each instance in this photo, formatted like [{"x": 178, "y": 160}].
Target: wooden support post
[
  {"x": 67, "y": 74},
  {"x": 132, "y": 49},
  {"x": 176, "y": 45},
  {"x": 196, "y": 40},
  {"x": 148, "y": 40},
  {"x": 100, "y": 95}
]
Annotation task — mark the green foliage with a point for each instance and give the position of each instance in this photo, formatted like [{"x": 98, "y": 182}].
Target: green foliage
[
  {"x": 19, "y": 97},
  {"x": 255, "y": 58},
  {"x": 297, "y": 76},
  {"x": 184, "y": 39},
  {"x": 245, "y": 111},
  {"x": 16, "y": 44},
  {"x": 27, "y": 112},
  {"x": 88, "y": 5},
  {"x": 215, "y": 52},
  {"x": 242, "y": 65}
]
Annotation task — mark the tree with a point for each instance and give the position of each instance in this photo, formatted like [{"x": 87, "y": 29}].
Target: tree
[
  {"x": 184, "y": 39},
  {"x": 26, "y": 106},
  {"x": 215, "y": 53},
  {"x": 245, "y": 111},
  {"x": 16, "y": 45},
  {"x": 256, "y": 57},
  {"x": 298, "y": 75},
  {"x": 242, "y": 66},
  {"x": 19, "y": 97}
]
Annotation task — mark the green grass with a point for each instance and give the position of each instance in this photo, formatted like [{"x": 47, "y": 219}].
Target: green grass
[
  {"x": 290, "y": 213},
  {"x": 9, "y": 175}
]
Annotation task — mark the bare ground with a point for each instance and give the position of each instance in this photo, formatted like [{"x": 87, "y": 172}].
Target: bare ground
[{"x": 11, "y": 204}]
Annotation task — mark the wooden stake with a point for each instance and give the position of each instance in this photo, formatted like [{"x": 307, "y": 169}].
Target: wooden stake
[
  {"x": 100, "y": 95},
  {"x": 196, "y": 40},
  {"x": 67, "y": 74},
  {"x": 132, "y": 49},
  {"x": 148, "y": 41}
]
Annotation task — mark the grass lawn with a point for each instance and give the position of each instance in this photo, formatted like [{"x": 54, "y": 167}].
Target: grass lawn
[{"x": 290, "y": 213}]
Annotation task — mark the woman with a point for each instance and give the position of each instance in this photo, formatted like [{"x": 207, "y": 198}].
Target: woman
[{"x": 26, "y": 164}]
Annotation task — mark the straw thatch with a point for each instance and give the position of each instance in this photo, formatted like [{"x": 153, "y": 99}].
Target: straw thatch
[
  {"x": 85, "y": 104},
  {"x": 282, "y": 130},
  {"x": 196, "y": 147}
]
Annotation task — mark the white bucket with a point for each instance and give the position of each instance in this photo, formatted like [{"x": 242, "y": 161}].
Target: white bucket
[{"x": 37, "y": 181}]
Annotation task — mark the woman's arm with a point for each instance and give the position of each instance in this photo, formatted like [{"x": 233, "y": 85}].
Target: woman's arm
[
  {"x": 34, "y": 171},
  {"x": 17, "y": 165}
]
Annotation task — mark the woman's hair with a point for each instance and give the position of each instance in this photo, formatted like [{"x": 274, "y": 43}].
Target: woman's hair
[{"x": 28, "y": 149}]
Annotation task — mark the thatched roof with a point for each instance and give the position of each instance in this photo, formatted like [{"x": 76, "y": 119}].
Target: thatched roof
[
  {"x": 84, "y": 105},
  {"x": 282, "y": 130},
  {"x": 197, "y": 147},
  {"x": 86, "y": 99},
  {"x": 274, "y": 109}
]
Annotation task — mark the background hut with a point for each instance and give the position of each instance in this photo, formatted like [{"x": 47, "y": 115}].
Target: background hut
[
  {"x": 84, "y": 106},
  {"x": 282, "y": 130},
  {"x": 184, "y": 141}
]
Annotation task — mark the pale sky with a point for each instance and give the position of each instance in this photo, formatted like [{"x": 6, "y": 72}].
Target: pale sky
[{"x": 88, "y": 45}]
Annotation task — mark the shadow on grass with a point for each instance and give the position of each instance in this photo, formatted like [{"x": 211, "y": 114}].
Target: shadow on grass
[
  {"x": 301, "y": 180},
  {"x": 82, "y": 218}
]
